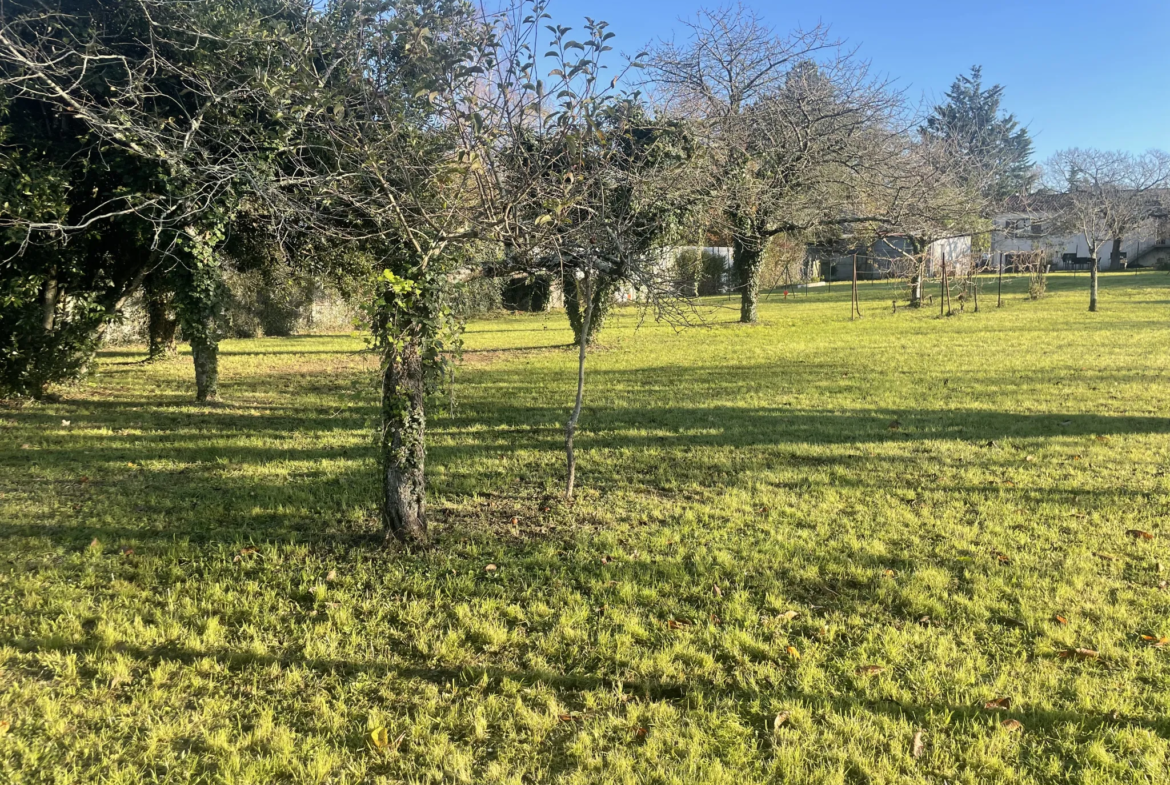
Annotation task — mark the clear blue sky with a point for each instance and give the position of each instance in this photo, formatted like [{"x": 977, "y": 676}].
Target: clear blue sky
[{"x": 1077, "y": 73}]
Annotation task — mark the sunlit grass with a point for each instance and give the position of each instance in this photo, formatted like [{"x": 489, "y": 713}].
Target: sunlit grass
[{"x": 868, "y": 526}]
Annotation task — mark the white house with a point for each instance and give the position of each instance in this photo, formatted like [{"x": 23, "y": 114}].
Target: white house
[{"x": 1026, "y": 229}]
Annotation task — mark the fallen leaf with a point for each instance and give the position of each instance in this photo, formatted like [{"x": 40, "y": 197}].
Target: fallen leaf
[
  {"x": 1138, "y": 534},
  {"x": 127, "y": 551},
  {"x": 380, "y": 738},
  {"x": 1155, "y": 641},
  {"x": 1012, "y": 725},
  {"x": 26, "y": 447},
  {"x": 65, "y": 423},
  {"x": 889, "y": 573},
  {"x": 1101, "y": 438},
  {"x": 781, "y": 718},
  {"x": 247, "y": 551},
  {"x": 718, "y": 591},
  {"x": 640, "y": 733},
  {"x": 516, "y": 521},
  {"x": 331, "y": 575},
  {"x": 4, "y": 726},
  {"x": 566, "y": 718},
  {"x": 678, "y": 624},
  {"x": 1083, "y": 654},
  {"x": 490, "y": 568},
  {"x": 1029, "y": 458},
  {"x": 1161, "y": 584},
  {"x": 789, "y": 615},
  {"x": 715, "y": 619},
  {"x": 1003, "y": 558},
  {"x": 83, "y": 479},
  {"x": 1060, "y": 619},
  {"x": 999, "y": 704},
  {"x": 917, "y": 745},
  {"x": 94, "y": 543},
  {"x": 870, "y": 670},
  {"x": 792, "y": 652}
]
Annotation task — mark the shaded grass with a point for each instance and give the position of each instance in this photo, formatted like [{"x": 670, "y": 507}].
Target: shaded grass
[{"x": 926, "y": 495}]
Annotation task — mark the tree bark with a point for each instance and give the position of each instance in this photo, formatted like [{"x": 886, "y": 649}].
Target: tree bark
[
  {"x": 916, "y": 290},
  {"x": 1093, "y": 284},
  {"x": 49, "y": 302},
  {"x": 746, "y": 258},
  {"x": 402, "y": 448},
  {"x": 162, "y": 323},
  {"x": 1115, "y": 255},
  {"x": 205, "y": 352}
]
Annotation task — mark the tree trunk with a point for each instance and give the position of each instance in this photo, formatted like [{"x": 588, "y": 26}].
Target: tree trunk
[
  {"x": 746, "y": 258},
  {"x": 402, "y": 448},
  {"x": 49, "y": 302},
  {"x": 1093, "y": 284},
  {"x": 1115, "y": 255},
  {"x": 205, "y": 351},
  {"x": 161, "y": 326},
  {"x": 571, "y": 425},
  {"x": 916, "y": 290}
]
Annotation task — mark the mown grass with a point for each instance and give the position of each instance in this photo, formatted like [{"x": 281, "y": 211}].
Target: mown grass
[{"x": 197, "y": 593}]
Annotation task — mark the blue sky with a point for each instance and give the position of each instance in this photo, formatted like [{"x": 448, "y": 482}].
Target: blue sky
[{"x": 1078, "y": 74}]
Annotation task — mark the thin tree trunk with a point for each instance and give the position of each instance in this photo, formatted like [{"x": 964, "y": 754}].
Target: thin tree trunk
[
  {"x": 746, "y": 258},
  {"x": 403, "y": 447},
  {"x": 571, "y": 425},
  {"x": 916, "y": 289},
  {"x": 1093, "y": 284}
]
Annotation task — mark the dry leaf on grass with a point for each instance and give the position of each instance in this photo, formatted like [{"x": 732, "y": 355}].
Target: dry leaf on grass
[
  {"x": 678, "y": 624},
  {"x": 1155, "y": 641},
  {"x": 1082, "y": 654},
  {"x": 870, "y": 670},
  {"x": 1138, "y": 534},
  {"x": 331, "y": 575},
  {"x": 380, "y": 738},
  {"x": 640, "y": 733},
  {"x": 781, "y": 718},
  {"x": 917, "y": 746},
  {"x": 718, "y": 591},
  {"x": 1012, "y": 725},
  {"x": 793, "y": 652},
  {"x": 565, "y": 717},
  {"x": 789, "y": 615},
  {"x": 490, "y": 568},
  {"x": 1060, "y": 619},
  {"x": 5, "y": 725},
  {"x": 999, "y": 704},
  {"x": 1101, "y": 438}
]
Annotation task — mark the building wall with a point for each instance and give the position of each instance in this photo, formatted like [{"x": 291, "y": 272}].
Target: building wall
[{"x": 1023, "y": 238}]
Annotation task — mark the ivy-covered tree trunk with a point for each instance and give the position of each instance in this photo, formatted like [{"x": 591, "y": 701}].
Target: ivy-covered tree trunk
[
  {"x": 162, "y": 321},
  {"x": 747, "y": 259},
  {"x": 402, "y": 447},
  {"x": 199, "y": 297},
  {"x": 604, "y": 287}
]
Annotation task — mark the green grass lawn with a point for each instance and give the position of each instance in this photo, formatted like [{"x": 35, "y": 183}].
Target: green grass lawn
[{"x": 867, "y": 528}]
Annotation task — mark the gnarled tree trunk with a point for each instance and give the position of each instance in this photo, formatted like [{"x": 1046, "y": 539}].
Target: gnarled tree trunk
[
  {"x": 747, "y": 259},
  {"x": 402, "y": 448}
]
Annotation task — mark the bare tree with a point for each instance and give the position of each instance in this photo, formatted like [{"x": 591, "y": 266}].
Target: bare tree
[
  {"x": 795, "y": 127},
  {"x": 1107, "y": 196}
]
